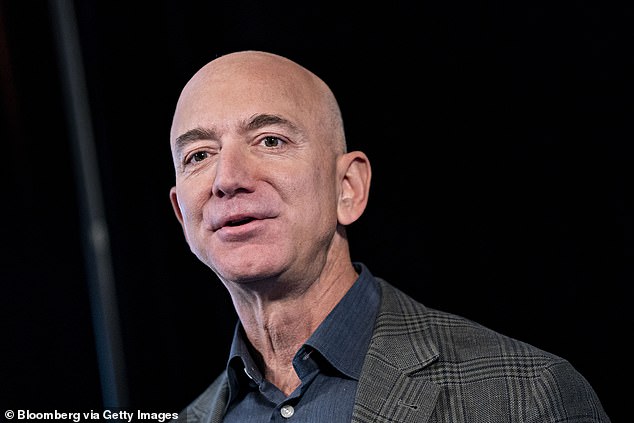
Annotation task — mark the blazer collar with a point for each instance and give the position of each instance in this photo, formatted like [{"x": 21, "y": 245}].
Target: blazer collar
[{"x": 398, "y": 348}]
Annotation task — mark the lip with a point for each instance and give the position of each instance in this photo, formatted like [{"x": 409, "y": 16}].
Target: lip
[
  {"x": 235, "y": 221},
  {"x": 241, "y": 232}
]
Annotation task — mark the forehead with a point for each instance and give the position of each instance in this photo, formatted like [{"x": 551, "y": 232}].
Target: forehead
[{"x": 222, "y": 98}]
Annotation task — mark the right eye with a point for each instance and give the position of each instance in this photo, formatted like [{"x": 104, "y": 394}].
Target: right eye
[{"x": 198, "y": 157}]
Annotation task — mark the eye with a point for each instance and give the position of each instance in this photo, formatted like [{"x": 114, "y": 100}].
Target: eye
[
  {"x": 271, "y": 141},
  {"x": 198, "y": 156}
]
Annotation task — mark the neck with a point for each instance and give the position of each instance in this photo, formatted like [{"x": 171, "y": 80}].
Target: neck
[{"x": 277, "y": 327}]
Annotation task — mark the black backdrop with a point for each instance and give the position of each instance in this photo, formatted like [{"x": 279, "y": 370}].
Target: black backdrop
[{"x": 500, "y": 135}]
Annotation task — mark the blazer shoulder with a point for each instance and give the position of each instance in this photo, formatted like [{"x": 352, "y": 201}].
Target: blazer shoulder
[
  {"x": 208, "y": 407},
  {"x": 476, "y": 363},
  {"x": 448, "y": 335}
]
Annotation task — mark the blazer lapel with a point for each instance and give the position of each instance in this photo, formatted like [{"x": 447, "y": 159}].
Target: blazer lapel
[{"x": 387, "y": 392}]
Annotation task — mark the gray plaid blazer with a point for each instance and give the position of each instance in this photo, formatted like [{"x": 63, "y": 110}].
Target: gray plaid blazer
[{"x": 425, "y": 365}]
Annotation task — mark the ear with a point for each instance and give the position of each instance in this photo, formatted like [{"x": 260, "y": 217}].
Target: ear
[
  {"x": 176, "y": 207},
  {"x": 354, "y": 176}
]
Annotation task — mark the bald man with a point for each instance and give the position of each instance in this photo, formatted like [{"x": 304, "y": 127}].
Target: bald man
[{"x": 265, "y": 189}]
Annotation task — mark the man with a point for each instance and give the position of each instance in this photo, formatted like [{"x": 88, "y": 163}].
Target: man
[{"x": 265, "y": 188}]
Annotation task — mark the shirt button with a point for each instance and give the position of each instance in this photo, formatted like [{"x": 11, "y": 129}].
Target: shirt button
[{"x": 287, "y": 411}]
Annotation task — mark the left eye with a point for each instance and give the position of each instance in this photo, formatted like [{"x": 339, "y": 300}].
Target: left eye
[
  {"x": 199, "y": 156},
  {"x": 271, "y": 141}
]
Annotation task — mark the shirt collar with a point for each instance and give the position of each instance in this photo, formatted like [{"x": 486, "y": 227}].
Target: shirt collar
[{"x": 343, "y": 337}]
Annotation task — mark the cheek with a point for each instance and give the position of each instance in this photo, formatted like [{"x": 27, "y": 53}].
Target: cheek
[
  {"x": 316, "y": 199},
  {"x": 191, "y": 204}
]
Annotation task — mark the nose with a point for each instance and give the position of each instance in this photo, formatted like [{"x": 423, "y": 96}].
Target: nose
[{"x": 234, "y": 171}]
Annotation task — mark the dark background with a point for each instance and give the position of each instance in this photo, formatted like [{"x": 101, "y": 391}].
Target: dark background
[{"x": 500, "y": 135}]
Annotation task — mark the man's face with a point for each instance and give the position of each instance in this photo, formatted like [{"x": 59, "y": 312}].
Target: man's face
[{"x": 256, "y": 177}]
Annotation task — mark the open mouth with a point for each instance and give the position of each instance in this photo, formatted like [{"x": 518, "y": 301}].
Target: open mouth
[{"x": 240, "y": 222}]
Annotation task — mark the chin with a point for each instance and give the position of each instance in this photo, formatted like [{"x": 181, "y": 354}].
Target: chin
[{"x": 245, "y": 272}]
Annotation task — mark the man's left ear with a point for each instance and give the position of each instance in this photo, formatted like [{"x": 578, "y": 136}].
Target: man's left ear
[{"x": 355, "y": 173}]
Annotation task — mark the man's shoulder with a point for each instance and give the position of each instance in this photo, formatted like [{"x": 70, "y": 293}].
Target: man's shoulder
[
  {"x": 470, "y": 364},
  {"x": 439, "y": 345},
  {"x": 209, "y": 406},
  {"x": 447, "y": 334}
]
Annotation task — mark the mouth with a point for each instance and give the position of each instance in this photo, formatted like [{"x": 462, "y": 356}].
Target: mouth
[
  {"x": 236, "y": 220},
  {"x": 239, "y": 222}
]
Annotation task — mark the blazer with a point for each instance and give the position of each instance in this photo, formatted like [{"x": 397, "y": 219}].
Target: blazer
[{"x": 425, "y": 365}]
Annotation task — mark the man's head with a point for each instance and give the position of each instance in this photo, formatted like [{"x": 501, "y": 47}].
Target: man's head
[{"x": 264, "y": 185}]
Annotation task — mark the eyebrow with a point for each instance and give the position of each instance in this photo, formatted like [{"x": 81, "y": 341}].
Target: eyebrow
[
  {"x": 261, "y": 120},
  {"x": 192, "y": 135}
]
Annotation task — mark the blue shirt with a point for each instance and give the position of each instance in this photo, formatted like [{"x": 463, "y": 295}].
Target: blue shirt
[{"x": 328, "y": 365}]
